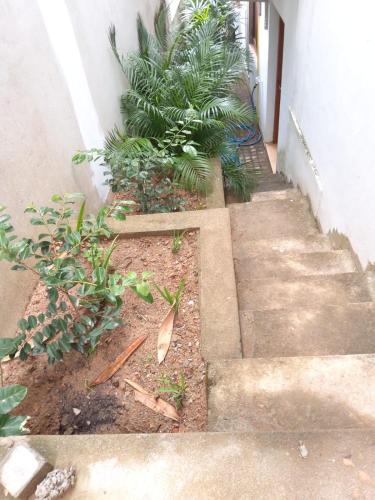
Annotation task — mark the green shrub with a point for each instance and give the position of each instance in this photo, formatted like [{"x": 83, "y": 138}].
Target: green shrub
[{"x": 84, "y": 295}]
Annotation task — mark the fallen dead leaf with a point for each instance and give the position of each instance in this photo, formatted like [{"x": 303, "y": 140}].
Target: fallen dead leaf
[
  {"x": 165, "y": 334},
  {"x": 364, "y": 477},
  {"x": 158, "y": 405},
  {"x": 136, "y": 386},
  {"x": 155, "y": 404},
  {"x": 348, "y": 462},
  {"x": 119, "y": 361}
]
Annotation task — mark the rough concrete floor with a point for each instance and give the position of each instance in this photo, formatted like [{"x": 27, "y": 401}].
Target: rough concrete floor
[{"x": 214, "y": 466}]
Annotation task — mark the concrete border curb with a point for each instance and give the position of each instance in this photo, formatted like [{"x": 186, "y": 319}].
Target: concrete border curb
[{"x": 220, "y": 327}]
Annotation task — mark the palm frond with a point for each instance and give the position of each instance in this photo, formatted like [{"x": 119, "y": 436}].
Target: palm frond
[
  {"x": 161, "y": 25},
  {"x": 193, "y": 172},
  {"x": 143, "y": 38}
]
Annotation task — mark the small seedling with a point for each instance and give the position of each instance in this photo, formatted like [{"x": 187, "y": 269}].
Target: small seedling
[
  {"x": 178, "y": 239},
  {"x": 174, "y": 299},
  {"x": 149, "y": 358},
  {"x": 176, "y": 390}
]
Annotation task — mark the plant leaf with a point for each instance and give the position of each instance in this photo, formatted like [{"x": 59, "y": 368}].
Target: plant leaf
[
  {"x": 165, "y": 334},
  {"x": 155, "y": 404},
  {"x": 12, "y": 426},
  {"x": 7, "y": 346},
  {"x": 119, "y": 361},
  {"x": 81, "y": 215},
  {"x": 10, "y": 397}
]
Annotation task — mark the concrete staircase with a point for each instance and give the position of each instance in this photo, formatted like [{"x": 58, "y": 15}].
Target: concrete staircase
[
  {"x": 294, "y": 418},
  {"x": 308, "y": 337}
]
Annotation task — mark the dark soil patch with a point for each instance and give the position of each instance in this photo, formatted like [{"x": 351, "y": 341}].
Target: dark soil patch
[{"x": 59, "y": 400}]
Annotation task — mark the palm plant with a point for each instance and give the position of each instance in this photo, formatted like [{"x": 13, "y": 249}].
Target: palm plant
[
  {"x": 196, "y": 12},
  {"x": 183, "y": 76}
]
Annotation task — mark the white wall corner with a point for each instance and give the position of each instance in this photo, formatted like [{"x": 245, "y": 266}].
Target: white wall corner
[{"x": 63, "y": 40}]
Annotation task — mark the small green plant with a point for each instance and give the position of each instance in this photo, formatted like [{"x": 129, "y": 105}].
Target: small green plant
[
  {"x": 178, "y": 239},
  {"x": 176, "y": 390},
  {"x": 173, "y": 299},
  {"x": 10, "y": 397},
  {"x": 84, "y": 295},
  {"x": 151, "y": 170}
]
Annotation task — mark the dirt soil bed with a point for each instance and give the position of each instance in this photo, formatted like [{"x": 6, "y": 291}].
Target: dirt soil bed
[{"x": 59, "y": 399}]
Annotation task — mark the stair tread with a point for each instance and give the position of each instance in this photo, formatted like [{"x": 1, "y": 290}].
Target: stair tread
[
  {"x": 216, "y": 466},
  {"x": 281, "y": 194},
  {"x": 290, "y": 218},
  {"x": 290, "y": 264},
  {"x": 303, "y": 291},
  {"x": 322, "y": 331},
  {"x": 292, "y": 394},
  {"x": 315, "y": 243}
]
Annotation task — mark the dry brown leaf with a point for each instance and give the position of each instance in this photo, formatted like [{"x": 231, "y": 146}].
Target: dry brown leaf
[
  {"x": 119, "y": 361},
  {"x": 158, "y": 405},
  {"x": 165, "y": 334},
  {"x": 348, "y": 462},
  {"x": 136, "y": 386},
  {"x": 364, "y": 477}
]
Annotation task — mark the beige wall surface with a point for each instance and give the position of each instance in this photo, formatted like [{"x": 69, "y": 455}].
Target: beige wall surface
[
  {"x": 39, "y": 129},
  {"x": 103, "y": 72}
]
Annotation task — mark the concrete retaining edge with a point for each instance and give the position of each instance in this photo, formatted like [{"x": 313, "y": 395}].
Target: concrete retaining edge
[{"x": 220, "y": 327}]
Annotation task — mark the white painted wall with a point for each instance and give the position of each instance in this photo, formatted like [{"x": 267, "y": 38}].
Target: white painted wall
[
  {"x": 267, "y": 64},
  {"x": 173, "y": 7},
  {"x": 327, "y": 109},
  {"x": 59, "y": 92}
]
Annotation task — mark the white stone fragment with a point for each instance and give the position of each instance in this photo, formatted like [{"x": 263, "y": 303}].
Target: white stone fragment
[
  {"x": 22, "y": 469},
  {"x": 55, "y": 484},
  {"x": 76, "y": 411},
  {"x": 303, "y": 451}
]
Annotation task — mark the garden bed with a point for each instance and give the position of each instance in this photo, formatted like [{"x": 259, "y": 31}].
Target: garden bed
[
  {"x": 60, "y": 400},
  {"x": 191, "y": 201}
]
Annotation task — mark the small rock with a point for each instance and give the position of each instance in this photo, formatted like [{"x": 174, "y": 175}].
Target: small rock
[
  {"x": 303, "y": 451},
  {"x": 115, "y": 383},
  {"x": 55, "y": 484},
  {"x": 191, "y": 303},
  {"x": 69, "y": 431},
  {"x": 88, "y": 422},
  {"x": 76, "y": 411}
]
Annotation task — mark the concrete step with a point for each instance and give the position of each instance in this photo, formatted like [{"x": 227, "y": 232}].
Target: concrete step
[
  {"x": 292, "y": 394},
  {"x": 302, "y": 292},
  {"x": 289, "y": 265},
  {"x": 275, "y": 195},
  {"x": 271, "y": 186},
  {"x": 327, "y": 330},
  {"x": 248, "y": 248},
  {"x": 274, "y": 219},
  {"x": 215, "y": 466}
]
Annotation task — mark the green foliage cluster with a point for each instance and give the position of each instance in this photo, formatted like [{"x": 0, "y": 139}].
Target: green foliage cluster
[
  {"x": 84, "y": 294},
  {"x": 172, "y": 298},
  {"x": 175, "y": 389},
  {"x": 180, "y": 106},
  {"x": 178, "y": 239}
]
